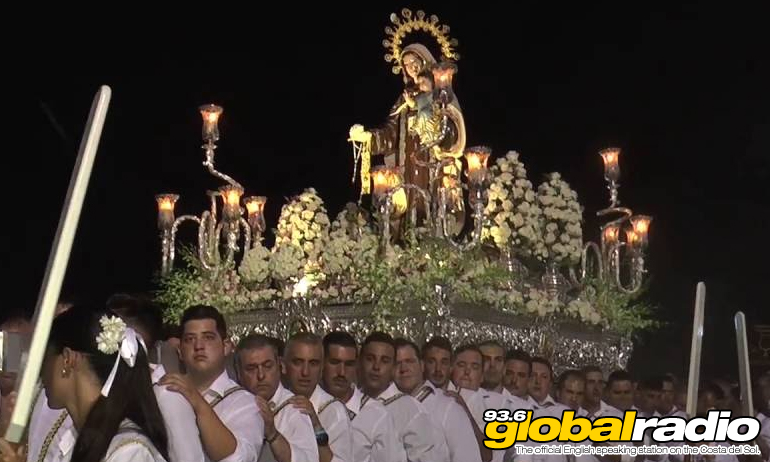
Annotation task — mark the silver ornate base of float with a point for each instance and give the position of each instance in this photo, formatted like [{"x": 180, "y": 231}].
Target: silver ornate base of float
[{"x": 567, "y": 344}]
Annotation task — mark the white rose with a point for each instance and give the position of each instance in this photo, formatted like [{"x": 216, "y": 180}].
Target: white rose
[
  {"x": 308, "y": 215},
  {"x": 550, "y": 238}
]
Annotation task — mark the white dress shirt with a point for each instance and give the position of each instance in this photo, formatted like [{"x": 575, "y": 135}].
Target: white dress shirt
[
  {"x": 335, "y": 420},
  {"x": 296, "y": 428},
  {"x": 416, "y": 431},
  {"x": 238, "y": 411},
  {"x": 479, "y": 401},
  {"x": 375, "y": 438},
  {"x": 605, "y": 410},
  {"x": 451, "y": 418},
  {"x": 184, "y": 443},
  {"x": 130, "y": 445}
]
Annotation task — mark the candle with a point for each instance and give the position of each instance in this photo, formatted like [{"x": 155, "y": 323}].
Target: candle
[
  {"x": 381, "y": 180},
  {"x": 611, "y": 167},
  {"x": 443, "y": 73},
  {"x": 210, "y": 114},
  {"x": 641, "y": 225},
  {"x": 610, "y": 235},
  {"x": 231, "y": 199},
  {"x": 255, "y": 206},
  {"x": 477, "y": 158},
  {"x": 632, "y": 238},
  {"x": 166, "y": 204}
]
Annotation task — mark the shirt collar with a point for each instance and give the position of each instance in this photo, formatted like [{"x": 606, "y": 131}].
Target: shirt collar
[
  {"x": 281, "y": 394},
  {"x": 389, "y": 392},
  {"x": 221, "y": 384},
  {"x": 157, "y": 373},
  {"x": 547, "y": 402},
  {"x": 320, "y": 397}
]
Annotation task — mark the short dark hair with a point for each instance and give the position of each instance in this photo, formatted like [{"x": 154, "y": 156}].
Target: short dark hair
[
  {"x": 256, "y": 341},
  {"x": 518, "y": 355},
  {"x": 654, "y": 383},
  {"x": 442, "y": 343},
  {"x": 541, "y": 360},
  {"x": 402, "y": 343},
  {"x": 492, "y": 342},
  {"x": 202, "y": 312},
  {"x": 340, "y": 338},
  {"x": 466, "y": 347},
  {"x": 619, "y": 376},
  {"x": 139, "y": 311},
  {"x": 306, "y": 338},
  {"x": 570, "y": 374},
  {"x": 380, "y": 337},
  {"x": 709, "y": 386},
  {"x": 588, "y": 369}
]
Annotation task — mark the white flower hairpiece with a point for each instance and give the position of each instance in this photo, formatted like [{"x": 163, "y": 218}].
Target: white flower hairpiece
[
  {"x": 116, "y": 337},
  {"x": 113, "y": 331}
]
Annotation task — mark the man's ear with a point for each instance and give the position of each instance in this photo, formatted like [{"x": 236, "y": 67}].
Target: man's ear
[
  {"x": 229, "y": 347},
  {"x": 282, "y": 361}
]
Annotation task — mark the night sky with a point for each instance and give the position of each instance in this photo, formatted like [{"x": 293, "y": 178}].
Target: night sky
[{"x": 682, "y": 90}]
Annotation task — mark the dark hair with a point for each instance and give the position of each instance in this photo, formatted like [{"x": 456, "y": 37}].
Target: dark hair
[
  {"x": 256, "y": 341},
  {"x": 402, "y": 342},
  {"x": 573, "y": 374},
  {"x": 131, "y": 396},
  {"x": 651, "y": 383},
  {"x": 493, "y": 343},
  {"x": 464, "y": 348},
  {"x": 306, "y": 338},
  {"x": 140, "y": 312},
  {"x": 518, "y": 355},
  {"x": 619, "y": 376},
  {"x": 541, "y": 360},
  {"x": 442, "y": 343},
  {"x": 380, "y": 337},
  {"x": 709, "y": 386},
  {"x": 201, "y": 312},
  {"x": 589, "y": 369},
  {"x": 340, "y": 338}
]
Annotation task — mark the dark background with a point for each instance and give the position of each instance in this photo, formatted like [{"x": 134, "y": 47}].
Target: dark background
[{"x": 683, "y": 90}]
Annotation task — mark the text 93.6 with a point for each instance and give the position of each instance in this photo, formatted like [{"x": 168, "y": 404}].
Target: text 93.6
[{"x": 504, "y": 415}]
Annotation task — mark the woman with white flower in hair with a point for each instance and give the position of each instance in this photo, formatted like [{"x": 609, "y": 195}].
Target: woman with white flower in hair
[{"x": 96, "y": 368}]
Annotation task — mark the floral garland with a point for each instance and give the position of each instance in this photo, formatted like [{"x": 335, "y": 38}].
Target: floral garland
[
  {"x": 562, "y": 215},
  {"x": 342, "y": 262}
]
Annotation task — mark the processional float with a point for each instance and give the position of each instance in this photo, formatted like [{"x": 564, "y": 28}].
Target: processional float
[{"x": 427, "y": 182}]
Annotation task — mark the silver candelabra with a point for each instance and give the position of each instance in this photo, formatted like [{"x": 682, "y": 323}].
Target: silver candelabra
[{"x": 217, "y": 236}]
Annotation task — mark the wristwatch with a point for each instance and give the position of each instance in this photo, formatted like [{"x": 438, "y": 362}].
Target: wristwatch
[{"x": 321, "y": 437}]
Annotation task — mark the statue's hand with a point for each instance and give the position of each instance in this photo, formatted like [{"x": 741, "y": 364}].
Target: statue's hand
[{"x": 358, "y": 134}]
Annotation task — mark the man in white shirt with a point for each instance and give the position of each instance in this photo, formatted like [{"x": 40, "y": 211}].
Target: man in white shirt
[
  {"x": 620, "y": 391},
  {"x": 437, "y": 361},
  {"x": 230, "y": 427},
  {"x": 593, "y": 404},
  {"x": 467, "y": 375},
  {"x": 666, "y": 406},
  {"x": 516, "y": 374},
  {"x": 417, "y": 433},
  {"x": 447, "y": 414},
  {"x": 375, "y": 438},
  {"x": 540, "y": 383},
  {"x": 288, "y": 430},
  {"x": 493, "y": 361},
  {"x": 303, "y": 359}
]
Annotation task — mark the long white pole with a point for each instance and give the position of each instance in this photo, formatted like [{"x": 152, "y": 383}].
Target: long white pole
[
  {"x": 695, "y": 350},
  {"x": 57, "y": 263},
  {"x": 744, "y": 367}
]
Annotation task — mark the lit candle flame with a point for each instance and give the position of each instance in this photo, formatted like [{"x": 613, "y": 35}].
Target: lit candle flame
[
  {"x": 611, "y": 234},
  {"x": 632, "y": 237},
  {"x": 641, "y": 224},
  {"x": 255, "y": 204}
]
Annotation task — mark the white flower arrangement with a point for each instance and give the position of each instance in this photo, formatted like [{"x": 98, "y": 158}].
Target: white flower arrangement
[
  {"x": 584, "y": 310},
  {"x": 303, "y": 224},
  {"x": 561, "y": 221},
  {"x": 255, "y": 266},
  {"x": 539, "y": 303},
  {"x": 512, "y": 211},
  {"x": 113, "y": 330}
]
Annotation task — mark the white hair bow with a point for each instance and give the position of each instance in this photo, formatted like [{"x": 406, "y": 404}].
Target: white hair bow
[{"x": 128, "y": 350}]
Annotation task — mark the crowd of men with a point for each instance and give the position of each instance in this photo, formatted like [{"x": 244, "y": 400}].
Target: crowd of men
[{"x": 311, "y": 398}]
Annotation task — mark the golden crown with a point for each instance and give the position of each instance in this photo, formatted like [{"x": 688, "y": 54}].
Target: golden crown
[{"x": 406, "y": 24}]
